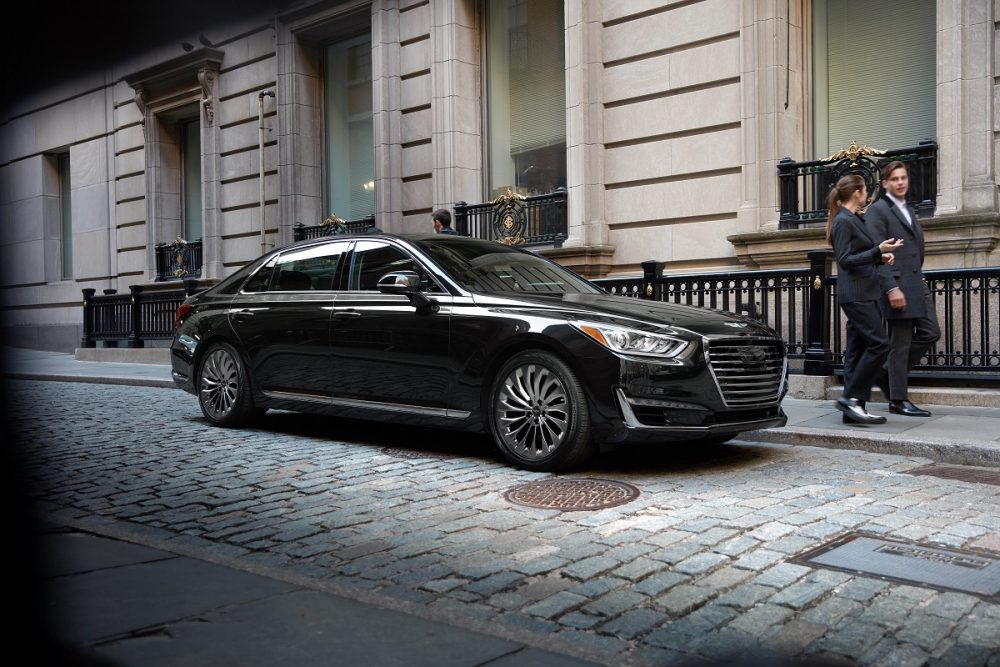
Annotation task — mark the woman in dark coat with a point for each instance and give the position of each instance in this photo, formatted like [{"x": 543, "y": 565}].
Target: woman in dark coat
[{"x": 860, "y": 284}]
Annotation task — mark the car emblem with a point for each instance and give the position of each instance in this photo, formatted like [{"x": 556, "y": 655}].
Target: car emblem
[{"x": 753, "y": 356}]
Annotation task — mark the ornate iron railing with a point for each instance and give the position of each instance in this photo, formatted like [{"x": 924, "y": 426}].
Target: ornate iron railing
[
  {"x": 179, "y": 260},
  {"x": 804, "y": 185},
  {"x": 333, "y": 226},
  {"x": 516, "y": 220},
  {"x": 801, "y": 305},
  {"x": 131, "y": 318}
]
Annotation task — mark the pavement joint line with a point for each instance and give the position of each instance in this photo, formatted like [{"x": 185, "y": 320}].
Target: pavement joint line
[{"x": 113, "y": 529}]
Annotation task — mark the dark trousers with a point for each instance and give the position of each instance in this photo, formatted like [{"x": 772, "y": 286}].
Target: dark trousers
[
  {"x": 909, "y": 339},
  {"x": 865, "y": 349}
]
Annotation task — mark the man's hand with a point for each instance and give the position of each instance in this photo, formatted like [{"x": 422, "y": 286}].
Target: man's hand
[{"x": 897, "y": 300}]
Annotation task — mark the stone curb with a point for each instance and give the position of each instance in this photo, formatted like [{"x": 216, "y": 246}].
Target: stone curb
[
  {"x": 942, "y": 451},
  {"x": 119, "y": 380}
]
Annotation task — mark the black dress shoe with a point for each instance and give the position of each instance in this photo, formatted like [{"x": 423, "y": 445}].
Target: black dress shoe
[
  {"x": 851, "y": 407},
  {"x": 907, "y": 408},
  {"x": 848, "y": 420}
]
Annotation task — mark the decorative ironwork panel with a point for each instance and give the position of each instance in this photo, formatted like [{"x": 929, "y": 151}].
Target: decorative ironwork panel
[
  {"x": 178, "y": 260},
  {"x": 516, "y": 220},
  {"x": 804, "y": 185},
  {"x": 334, "y": 226}
]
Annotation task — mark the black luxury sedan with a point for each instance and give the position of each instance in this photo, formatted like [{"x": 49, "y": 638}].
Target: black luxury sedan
[{"x": 464, "y": 333}]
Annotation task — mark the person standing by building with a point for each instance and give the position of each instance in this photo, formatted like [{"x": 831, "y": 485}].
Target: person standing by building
[
  {"x": 860, "y": 285},
  {"x": 907, "y": 307},
  {"x": 442, "y": 222}
]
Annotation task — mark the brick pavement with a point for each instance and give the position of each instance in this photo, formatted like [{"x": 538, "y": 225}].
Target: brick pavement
[{"x": 695, "y": 569}]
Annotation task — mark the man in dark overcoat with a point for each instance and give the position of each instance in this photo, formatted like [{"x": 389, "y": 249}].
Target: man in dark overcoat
[{"x": 907, "y": 306}]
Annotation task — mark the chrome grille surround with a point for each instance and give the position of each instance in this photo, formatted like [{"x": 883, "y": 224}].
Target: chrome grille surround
[{"x": 748, "y": 371}]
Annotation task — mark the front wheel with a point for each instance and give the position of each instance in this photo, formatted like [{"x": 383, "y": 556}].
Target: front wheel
[
  {"x": 223, "y": 387},
  {"x": 538, "y": 413}
]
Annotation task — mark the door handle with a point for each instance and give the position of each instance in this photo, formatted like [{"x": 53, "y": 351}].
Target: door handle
[
  {"x": 347, "y": 314},
  {"x": 244, "y": 314}
]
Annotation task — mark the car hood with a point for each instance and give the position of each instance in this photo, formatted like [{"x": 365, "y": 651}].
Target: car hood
[{"x": 631, "y": 311}]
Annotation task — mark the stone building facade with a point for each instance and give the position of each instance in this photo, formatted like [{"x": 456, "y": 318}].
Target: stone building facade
[{"x": 665, "y": 125}]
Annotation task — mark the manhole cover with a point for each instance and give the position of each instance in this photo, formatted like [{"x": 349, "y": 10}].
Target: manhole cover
[
  {"x": 400, "y": 453},
  {"x": 910, "y": 562},
  {"x": 571, "y": 495},
  {"x": 961, "y": 473}
]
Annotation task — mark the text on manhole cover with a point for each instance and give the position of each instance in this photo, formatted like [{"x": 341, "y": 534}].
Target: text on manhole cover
[
  {"x": 572, "y": 494},
  {"x": 920, "y": 564}
]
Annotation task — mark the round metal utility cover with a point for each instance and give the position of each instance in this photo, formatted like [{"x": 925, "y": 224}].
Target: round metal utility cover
[
  {"x": 571, "y": 495},
  {"x": 401, "y": 453}
]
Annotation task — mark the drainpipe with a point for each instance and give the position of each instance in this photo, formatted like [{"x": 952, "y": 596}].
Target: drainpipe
[{"x": 260, "y": 141}]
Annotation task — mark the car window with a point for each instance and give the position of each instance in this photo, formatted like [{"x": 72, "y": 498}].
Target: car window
[
  {"x": 312, "y": 268},
  {"x": 373, "y": 259},
  {"x": 487, "y": 266},
  {"x": 261, "y": 279}
]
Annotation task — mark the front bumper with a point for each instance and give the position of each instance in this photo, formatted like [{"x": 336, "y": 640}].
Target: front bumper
[{"x": 686, "y": 421}]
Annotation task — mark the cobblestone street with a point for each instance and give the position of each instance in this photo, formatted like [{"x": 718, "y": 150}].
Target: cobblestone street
[{"x": 696, "y": 567}]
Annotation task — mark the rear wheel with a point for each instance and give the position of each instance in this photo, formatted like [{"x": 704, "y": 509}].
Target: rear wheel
[
  {"x": 538, "y": 413},
  {"x": 223, "y": 387}
]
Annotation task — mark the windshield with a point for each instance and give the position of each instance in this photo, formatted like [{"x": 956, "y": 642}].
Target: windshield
[{"x": 487, "y": 266}]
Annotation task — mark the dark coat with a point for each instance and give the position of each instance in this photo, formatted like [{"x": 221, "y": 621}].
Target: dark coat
[
  {"x": 885, "y": 221},
  {"x": 859, "y": 261}
]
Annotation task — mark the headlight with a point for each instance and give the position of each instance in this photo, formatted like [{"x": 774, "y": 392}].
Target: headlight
[{"x": 632, "y": 341}]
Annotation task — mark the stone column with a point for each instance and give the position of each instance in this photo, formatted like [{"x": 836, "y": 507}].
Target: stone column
[
  {"x": 211, "y": 187},
  {"x": 456, "y": 91},
  {"x": 771, "y": 86},
  {"x": 386, "y": 116},
  {"x": 297, "y": 130},
  {"x": 966, "y": 103},
  {"x": 586, "y": 220}
]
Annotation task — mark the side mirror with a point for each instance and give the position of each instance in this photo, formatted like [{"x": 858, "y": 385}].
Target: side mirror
[
  {"x": 399, "y": 282},
  {"x": 407, "y": 283}
]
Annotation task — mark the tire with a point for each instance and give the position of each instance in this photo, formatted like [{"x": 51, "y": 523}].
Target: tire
[
  {"x": 538, "y": 413},
  {"x": 224, "y": 389}
]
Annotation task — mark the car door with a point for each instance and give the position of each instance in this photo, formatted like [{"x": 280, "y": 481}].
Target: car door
[
  {"x": 282, "y": 318},
  {"x": 385, "y": 351}
]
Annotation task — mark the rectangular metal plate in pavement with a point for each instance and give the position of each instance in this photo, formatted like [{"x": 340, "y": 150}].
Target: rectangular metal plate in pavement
[{"x": 908, "y": 562}]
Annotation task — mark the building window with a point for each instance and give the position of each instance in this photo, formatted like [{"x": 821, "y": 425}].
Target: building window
[
  {"x": 191, "y": 178},
  {"x": 526, "y": 96},
  {"x": 350, "y": 143},
  {"x": 65, "y": 216},
  {"x": 874, "y": 73}
]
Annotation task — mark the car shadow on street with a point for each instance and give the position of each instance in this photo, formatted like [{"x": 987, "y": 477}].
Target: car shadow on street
[
  {"x": 681, "y": 458},
  {"x": 403, "y": 438},
  {"x": 408, "y": 441}
]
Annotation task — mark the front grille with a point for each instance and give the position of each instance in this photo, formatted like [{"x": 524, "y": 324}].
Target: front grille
[{"x": 748, "y": 371}]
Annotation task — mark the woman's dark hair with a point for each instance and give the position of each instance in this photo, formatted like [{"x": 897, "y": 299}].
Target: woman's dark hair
[{"x": 841, "y": 192}]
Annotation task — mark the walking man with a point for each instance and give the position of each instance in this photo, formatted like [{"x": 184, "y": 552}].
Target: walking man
[{"x": 907, "y": 307}]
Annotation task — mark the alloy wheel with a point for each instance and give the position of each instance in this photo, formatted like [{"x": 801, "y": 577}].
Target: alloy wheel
[
  {"x": 532, "y": 411},
  {"x": 220, "y": 376}
]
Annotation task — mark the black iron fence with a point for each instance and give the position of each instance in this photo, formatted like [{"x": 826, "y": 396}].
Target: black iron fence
[
  {"x": 132, "y": 318},
  {"x": 805, "y": 185},
  {"x": 179, "y": 260},
  {"x": 301, "y": 232},
  {"x": 525, "y": 221},
  {"x": 801, "y": 305}
]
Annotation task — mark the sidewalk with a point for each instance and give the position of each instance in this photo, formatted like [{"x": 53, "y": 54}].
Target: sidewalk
[{"x": 100, "y": 582}]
